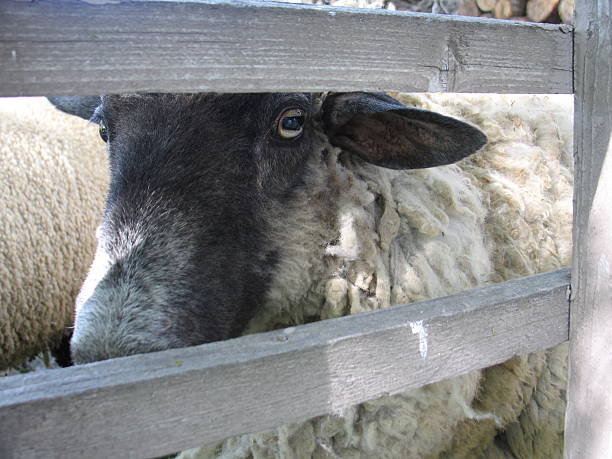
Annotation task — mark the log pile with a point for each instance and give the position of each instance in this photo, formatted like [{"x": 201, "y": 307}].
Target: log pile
[{"x": 550, "y": 11}]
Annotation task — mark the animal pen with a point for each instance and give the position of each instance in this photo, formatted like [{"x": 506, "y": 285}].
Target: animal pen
[{"x": 160, "y": 403}]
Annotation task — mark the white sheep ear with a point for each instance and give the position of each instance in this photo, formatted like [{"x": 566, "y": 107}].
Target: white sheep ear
[
  {"x": 82, "y": 106},
  {"x": 384, "y": 132}
]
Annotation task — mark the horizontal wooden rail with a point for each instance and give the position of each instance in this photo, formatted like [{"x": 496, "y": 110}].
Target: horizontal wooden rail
[
  {"x": 68, "y": 47},
  {"x": 158, "y": 403}
]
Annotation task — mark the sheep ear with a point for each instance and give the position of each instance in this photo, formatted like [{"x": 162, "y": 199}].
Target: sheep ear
[
  {"x": 82, "y": 106},
  {"x": 384, "y": 132}
]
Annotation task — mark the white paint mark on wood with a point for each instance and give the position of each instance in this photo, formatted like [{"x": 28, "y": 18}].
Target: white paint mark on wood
[
  {"x": 603, "y": 266},
  {"x": 419, "y": 328}
]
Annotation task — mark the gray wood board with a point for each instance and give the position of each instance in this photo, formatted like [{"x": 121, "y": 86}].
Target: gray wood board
[
  {"x": 154, "y": 404},
  {"x": 589, "y": 414},
  {"x": 72, "y": 47}
]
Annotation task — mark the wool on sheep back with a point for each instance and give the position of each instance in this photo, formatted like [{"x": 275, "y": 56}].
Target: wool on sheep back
[
  {"x": 53, "y": 179},
  {"x": 363, "y": 238}
]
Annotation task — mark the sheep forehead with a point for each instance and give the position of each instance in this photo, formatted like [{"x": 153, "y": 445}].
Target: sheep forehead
[{"x": 222, "y": 102}]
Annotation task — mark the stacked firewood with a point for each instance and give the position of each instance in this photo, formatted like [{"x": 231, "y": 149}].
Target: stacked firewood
[{"x": 551, "y": 11}]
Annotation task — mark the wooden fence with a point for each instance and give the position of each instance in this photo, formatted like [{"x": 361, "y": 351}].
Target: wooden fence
[{"x": 104, "y": 409}]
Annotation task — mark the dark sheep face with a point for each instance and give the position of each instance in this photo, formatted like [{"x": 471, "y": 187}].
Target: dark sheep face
[{"x": 185, "y": 254}]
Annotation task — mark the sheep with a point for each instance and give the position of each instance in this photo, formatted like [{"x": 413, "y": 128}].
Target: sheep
[
  {"x": 519, "y": 188},
  {"x": 53, "y": 179},
  {"x": 342, "y": 235}
]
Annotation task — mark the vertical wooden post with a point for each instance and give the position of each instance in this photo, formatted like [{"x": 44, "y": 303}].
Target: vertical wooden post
[{"x": 588, "y": 432}]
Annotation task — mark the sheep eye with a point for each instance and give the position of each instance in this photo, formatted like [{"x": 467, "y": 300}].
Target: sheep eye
[
  {"x": 103, "y": 131},
  {"x": 290, "y": 123}
]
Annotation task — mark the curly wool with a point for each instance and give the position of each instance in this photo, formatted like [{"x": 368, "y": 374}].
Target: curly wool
[
  {"x": 361, "y": 238},
  {"x": 53, "y": 180}
]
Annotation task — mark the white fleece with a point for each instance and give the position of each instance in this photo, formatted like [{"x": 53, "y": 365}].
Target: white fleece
[{"x": 53, "y": 179}]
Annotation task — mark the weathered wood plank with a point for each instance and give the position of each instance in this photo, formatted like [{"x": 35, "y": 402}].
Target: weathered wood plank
[
  {"x": 589, "y": 414},
  {"x": 158, "y": 403},
  {"x": 67, "y": 47}
]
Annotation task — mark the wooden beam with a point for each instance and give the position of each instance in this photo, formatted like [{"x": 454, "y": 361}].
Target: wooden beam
[
  {"x": 159, "y": 403},
  {"x": 77, "y": 47},
  {"x": 589, "y": 414}
]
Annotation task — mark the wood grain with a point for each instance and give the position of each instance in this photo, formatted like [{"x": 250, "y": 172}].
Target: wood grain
[
  {"x": 159, "y": 403},
  {"x": 589, "y": 414},
  {"x": 68, "y": 47}
]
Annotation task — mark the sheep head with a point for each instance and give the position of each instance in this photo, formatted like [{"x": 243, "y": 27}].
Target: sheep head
[{"x": 187, "y": 245}]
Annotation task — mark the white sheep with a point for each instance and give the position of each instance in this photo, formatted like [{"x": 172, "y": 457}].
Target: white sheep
[
  {"x": 53, "y": 179},
  {"x": 411, "y": 235}
]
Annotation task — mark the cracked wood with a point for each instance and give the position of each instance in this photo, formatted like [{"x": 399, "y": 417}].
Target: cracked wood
[{"x": 66, "y": 47}]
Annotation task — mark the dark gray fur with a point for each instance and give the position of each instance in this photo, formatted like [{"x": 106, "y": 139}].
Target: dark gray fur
[{"x": 196, "y": 183}]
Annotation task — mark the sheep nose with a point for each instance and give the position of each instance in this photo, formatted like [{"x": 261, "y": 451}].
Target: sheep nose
[
  {"x": 100, "y": 334},
  {"x": 106, "y": 329},
  {"x": 87, "y": 347}
]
